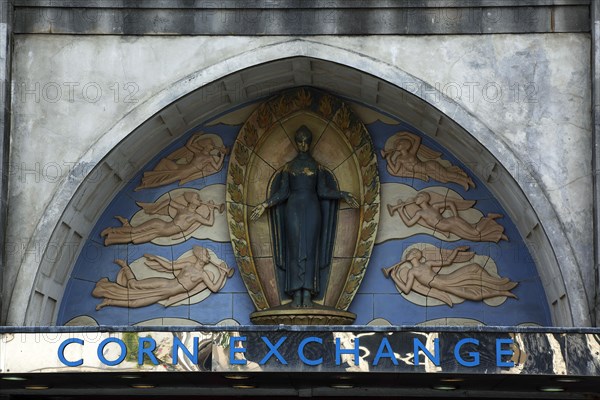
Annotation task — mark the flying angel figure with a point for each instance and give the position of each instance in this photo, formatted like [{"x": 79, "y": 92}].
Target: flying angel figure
[
  {"x": 189, "y": 276},
  {"x": 420, "y": 272},
  {"x": 427, "y": 209},
  {"x": 406, "y": 157},
  {"x": 201, "y": 156},
  {"x": 185, "y": 213}
]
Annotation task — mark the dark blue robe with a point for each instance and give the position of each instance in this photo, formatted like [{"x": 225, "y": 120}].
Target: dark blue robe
[{"x": 303, "y": 222}]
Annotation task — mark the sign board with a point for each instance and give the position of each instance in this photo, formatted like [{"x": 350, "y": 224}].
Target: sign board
[{"x": 300, "y": 350}]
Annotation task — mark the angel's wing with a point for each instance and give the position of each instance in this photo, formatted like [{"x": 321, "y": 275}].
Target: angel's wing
[
  {"x": 175, "y": 265},
  {"x": 156, "y": 266},
  {"x": 423, "y": 152},
  {"x": 437, "y": 254},
  {"x": 160, "y": 208},
  {"x": 185, "y": 197},
  {"x": 206, "y": 170},
  {"x": 183, "y": 155},
  {"x": 426, "y": 153},
  {"x": 199, "y": 141},
  {"x": 461, "y": 204},
  {"x": 181, "y": 262}
]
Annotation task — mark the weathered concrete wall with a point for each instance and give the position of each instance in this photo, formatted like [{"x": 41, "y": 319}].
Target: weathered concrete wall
[
  {"x": 5, "y": 62},
  {"x": 533, "y": 91}
]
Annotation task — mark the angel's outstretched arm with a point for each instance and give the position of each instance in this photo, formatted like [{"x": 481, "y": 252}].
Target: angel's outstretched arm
[
  {"x": 439, "y": 206},
  {"x": 154, "y": 208},
  {"x": 444, "y": 263},
  {"x": 446, "y": 204},
  {"x": 180, "y": 264},
  {"x": 450, "y": 259},
  {"x": 439, "y": 263},
  {"x": 394, "y": 164},
  {"x": 416, "y": 143},
  {"x": 154, "y": 261},
  {"x": 409, "y": 221},
  {"x": 406, "y": 287},
  {"x": 191, "y": 143},
  {"x": 210, "y": 284},
  {"x": 452, "y": 206},
  {"x": 217, "y": 164}
]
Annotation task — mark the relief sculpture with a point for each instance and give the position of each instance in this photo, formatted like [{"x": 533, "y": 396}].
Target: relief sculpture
[
  {"x": 303, "y": 208},
  {"x": 304, "y": 201},
  {"x": 180, "y": 280},
  {"x": 421, "y": 271},
  {"x": 174, "y": 217},
  {"x": 201, "y": 156},
  {"x": 406, "y": 157},
  {"x": 441, "y": 214}
]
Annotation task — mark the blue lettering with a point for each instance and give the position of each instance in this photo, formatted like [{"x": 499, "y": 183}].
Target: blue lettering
[
  {"x": 500, "y": 352},
  {"x": 303, "y": 343},
  {"x": 339, "y": 351},
  {"x": 435, "y": 358},
  {"x": 474, "y": 354},
  {"x": 233, "y": 350},
  {"x": 61, "y": 352},
  {"x": 177, "y": 344},
  {"x": 389, "y": 353},
  {"x": 146, "y": 351},
  {"x": 121, "y": 357},
  {"x": 273, "y": 350}
]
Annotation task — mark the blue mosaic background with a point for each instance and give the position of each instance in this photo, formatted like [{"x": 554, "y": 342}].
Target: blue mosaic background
[{"x": 377, "y": 296}]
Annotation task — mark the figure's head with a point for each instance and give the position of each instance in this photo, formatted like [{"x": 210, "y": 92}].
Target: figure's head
[
  {"x": 414, "y": 254},
  {"x": 201, "y": 253},
  {"x": 303, "y": 139},
  {"x": 403, "y": 145},
  {"x": 205, "y": 145},
  {"x": 422, "y": 197},
  {"x": 192, "y": 198}
]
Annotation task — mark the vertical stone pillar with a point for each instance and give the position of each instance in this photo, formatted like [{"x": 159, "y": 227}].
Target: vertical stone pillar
[
  {"x": 595, "y": 33},
  {"x": 6, "y": 13}
]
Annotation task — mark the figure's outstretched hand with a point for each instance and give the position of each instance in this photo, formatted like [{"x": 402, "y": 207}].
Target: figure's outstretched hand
[
  {"x": 150, "y": 257},
  {"x": 258, "y": 211},
  {"x": 351, "y": 200}
]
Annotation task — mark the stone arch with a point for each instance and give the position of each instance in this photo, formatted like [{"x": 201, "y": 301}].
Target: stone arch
[{"x": 77, "y": 202}]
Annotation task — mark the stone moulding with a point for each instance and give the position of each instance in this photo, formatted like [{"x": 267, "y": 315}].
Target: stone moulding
[{"x": 302, "y": 317}]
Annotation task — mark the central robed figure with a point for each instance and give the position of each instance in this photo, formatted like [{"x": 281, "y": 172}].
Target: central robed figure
[{"x": 304, "y": 202}]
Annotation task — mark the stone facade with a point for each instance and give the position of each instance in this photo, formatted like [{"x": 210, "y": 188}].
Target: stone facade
[{"x": 521, "y": 104}]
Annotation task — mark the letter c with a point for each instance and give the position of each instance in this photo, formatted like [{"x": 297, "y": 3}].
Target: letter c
[
  {"x": 301, "y": 346},
  {"x": 61, "y": 352}
]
